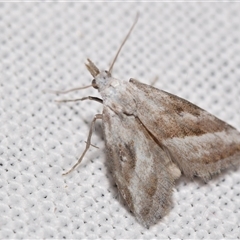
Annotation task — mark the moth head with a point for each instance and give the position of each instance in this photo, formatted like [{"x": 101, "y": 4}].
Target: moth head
[{"x": 99, "y": 76}]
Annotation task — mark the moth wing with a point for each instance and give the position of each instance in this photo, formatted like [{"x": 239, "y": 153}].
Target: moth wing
[
  {"x": 198, "y": 142},
  {"x": 143, "y": 171}
]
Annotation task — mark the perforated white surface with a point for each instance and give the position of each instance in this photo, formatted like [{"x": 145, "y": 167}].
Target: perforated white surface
[{"x": 193, "y": 49}]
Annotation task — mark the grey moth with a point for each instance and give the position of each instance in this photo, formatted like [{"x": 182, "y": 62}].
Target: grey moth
[{"x": 152, "y": 137}]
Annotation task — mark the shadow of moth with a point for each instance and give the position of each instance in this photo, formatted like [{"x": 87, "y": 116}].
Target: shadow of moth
[{"x": 152, "y": 137}]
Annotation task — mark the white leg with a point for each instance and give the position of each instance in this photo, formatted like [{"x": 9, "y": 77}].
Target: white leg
[
  {"x": 81, "y": 99},
  {"x": 88, "y": 143},
  {"x": 67, "y": 91}
]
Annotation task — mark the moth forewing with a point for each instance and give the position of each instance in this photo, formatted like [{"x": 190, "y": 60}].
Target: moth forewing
[
  {"x": 141, "y": 169},
  {"x": 198, "y": 142}
]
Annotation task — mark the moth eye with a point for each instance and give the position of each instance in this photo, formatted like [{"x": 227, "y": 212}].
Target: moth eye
[
  {"x": 94, "y": 84},
  {"x": 108, "y": 73}
]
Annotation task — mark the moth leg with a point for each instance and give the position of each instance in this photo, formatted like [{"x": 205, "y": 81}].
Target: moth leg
[
  {"x": 152, "y": 83},
  {"x": 93, "y": 145},
  {"x": 67, "y": 91},
  {"x": 174, "y": 171},
  {"x": 88, "y": 143},
  {"x": 154, "y": 80},
  {"x": 81, "y": 99}
]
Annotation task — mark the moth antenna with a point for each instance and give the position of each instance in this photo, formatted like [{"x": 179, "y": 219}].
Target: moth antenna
[{"x": 124, "y": 41}]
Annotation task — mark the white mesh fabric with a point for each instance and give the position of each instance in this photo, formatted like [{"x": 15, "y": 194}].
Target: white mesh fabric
[{"x": 193, "y": 49}]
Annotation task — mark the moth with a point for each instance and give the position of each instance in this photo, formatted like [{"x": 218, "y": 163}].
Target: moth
[{"x": 152, "y": 137}]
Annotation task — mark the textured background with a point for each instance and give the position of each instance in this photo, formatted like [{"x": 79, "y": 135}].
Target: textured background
[{"x": 193, "y": 49}]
